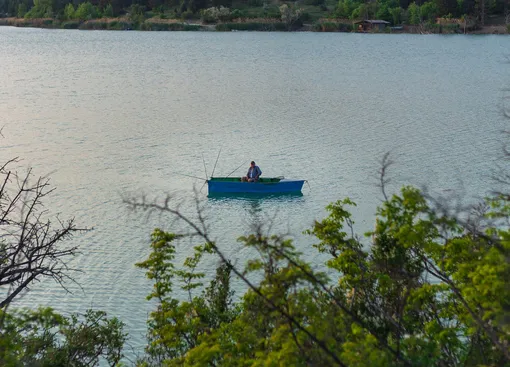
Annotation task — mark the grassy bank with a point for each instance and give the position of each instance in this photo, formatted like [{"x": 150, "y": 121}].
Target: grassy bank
[{"x": 117, "y": 24}]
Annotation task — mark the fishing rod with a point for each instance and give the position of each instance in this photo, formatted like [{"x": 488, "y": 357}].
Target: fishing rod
[
  {"x": 205, "y": 168},
  {"x": 238, "y": 167},
  {"x": 181, "y": 174},
  {"x": 218, "y": 157}
]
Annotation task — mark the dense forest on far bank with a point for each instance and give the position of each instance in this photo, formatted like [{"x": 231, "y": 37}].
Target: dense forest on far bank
[{"x": 419, "y": 16}]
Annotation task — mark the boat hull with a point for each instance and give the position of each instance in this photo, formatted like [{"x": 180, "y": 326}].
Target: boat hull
[{"x": 232, "y": 187}]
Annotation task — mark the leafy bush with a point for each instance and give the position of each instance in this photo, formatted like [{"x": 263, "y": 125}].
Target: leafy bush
[{"x": 70, "y": 25}]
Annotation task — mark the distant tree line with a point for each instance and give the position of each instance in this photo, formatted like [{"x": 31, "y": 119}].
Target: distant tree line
[
  {"x": 395, "y": 11},
  {"x": 415, "y": 12},
  {"x": 90, "y": 9}
]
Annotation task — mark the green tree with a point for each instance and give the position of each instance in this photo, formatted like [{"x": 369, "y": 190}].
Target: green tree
[
  {"x": 345, "y": 8},
  {"x": 429, "y": 11},
  {"x": 396, "y": 15},
  {"x": 69, "y": 12},
  {"x": 414, "y": 14},
  {"x": 446, "y": 7},
  {"x": 108, "y": 11},
  {"x": 22, "y": 10},
  {"x": 383, "y": 12},
  {"x": 86, "y": 11},
  {"x": 290, "y": 15},
  {"x": 41, "y": 9}
]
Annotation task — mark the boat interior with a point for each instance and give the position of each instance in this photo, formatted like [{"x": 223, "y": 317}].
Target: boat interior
[{"x": 238, "y": 179}]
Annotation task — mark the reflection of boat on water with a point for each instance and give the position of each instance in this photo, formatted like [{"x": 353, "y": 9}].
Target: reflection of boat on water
[
  {"x": 255, "y": 196},
  {"x": 264, "y": 186}
]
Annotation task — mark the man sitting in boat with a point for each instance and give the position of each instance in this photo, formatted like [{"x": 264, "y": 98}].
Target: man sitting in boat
[{"x": 253, "y": 174}]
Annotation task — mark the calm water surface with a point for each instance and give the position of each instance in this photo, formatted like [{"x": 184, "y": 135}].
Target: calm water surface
[{"x": 108, "y": 114}]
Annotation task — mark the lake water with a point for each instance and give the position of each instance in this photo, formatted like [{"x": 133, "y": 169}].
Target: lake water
[{"x": 110, "y": 114}]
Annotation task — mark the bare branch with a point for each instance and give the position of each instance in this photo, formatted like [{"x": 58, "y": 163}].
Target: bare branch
[
  {"x": 386, "y": 162},
  {"x": 30, "y": 246}
]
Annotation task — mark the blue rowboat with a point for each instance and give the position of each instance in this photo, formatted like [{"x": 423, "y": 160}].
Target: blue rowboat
[{"x": 228, "y": 185}]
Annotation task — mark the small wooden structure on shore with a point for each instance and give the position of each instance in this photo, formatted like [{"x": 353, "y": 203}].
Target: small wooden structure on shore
[{"x": 369, "y": 25}]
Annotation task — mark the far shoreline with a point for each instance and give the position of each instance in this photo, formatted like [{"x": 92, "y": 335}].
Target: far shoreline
[{"x": 156, "y": 24}]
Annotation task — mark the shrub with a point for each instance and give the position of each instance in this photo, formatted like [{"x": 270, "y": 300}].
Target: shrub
[
  {"x": 208, "y": 16},
  {"x": 94, "y": 25},
  {"x": 119, "y": 25},
  {"x": 223, "y": 27},
  {"x": 187, "y": 15},
  {"x": 70, "y": 25},
  {"x": 291, "y": 16},
  {"x": 191, "y": 27},
  {"x": 213, "y": 15},
  {"x": 236, "y": 13}
]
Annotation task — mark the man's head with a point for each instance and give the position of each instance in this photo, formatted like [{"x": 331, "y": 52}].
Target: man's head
[{"x": 252, "y": 163}]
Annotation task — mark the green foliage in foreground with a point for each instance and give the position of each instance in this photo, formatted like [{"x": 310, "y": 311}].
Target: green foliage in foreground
[
  {"x": 423, "y": 289},
  {"x": 426, "y": 290},
  {"x": 45, "y": 338}
]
